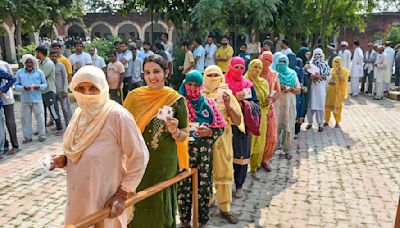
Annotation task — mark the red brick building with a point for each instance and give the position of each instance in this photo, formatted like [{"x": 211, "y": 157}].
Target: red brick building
[{"x": 377, "y": 23}]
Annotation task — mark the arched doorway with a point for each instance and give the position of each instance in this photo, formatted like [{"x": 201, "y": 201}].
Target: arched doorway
[
  {"x": 158, "y": 30},
  {"x": 76, "y": 31},
  {"x": 100, "y": 31},
  {"x": 128, "y": 32},
  {"x": 5, "y": 45},
  {"x": 47, "y": 30}
]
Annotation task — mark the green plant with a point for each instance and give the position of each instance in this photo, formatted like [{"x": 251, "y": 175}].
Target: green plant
[
  {"x": 393, "y": 34},
  {"x": 28, "y": 49},
  {"x": 103, "y": 46}
]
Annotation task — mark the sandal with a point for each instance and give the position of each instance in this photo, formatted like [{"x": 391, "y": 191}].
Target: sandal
[
  {"x": 230, "y": 217},
  {"x": 26, "y": 140}
]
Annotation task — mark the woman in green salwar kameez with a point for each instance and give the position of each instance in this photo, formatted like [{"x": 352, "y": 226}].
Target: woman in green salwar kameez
[{"x": 164, "y": 141}]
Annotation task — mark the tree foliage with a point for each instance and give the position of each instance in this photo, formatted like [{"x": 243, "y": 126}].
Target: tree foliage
[{"x": 393, "y": 34}]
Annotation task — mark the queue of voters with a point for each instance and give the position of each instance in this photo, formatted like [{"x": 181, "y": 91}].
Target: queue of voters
[{"x": 231, "y": 113}]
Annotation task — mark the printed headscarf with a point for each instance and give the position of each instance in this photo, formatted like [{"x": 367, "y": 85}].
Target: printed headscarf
[
  {"x": 234, "y": 76},
  {"x": 201, "y": 108},
  {"x": 287, "y": 76},
  {"x": 318, "y": 59}
]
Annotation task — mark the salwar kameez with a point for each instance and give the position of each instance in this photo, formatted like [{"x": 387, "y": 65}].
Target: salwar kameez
[
  {"x": 241, "y": 147},
  {"x": 286, "y": 111},
  {"x": 272, "y": 120},
  {"x": 203, "y": 111},
  {"x": 159, "y": 210},
  {"x": 222, "y": 170},
  {"x": 261, "y": 87},
  {"x": 336, "y": 91},
  {"x": 200, "y": 153}
]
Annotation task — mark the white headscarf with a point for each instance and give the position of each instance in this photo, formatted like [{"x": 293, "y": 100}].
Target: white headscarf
[
  {"x": 91, "y": 115},
  {"x": 29, "y": 56}
]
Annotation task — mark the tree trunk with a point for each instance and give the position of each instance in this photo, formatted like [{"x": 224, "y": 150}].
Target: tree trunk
[{"x": 18, "y": 32}]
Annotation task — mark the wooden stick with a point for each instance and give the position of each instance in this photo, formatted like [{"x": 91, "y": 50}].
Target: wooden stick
[
  {"x": 102, "y": 214},
  {"x": 195, "y": 199},
  {"x": 397, "y": 223}
]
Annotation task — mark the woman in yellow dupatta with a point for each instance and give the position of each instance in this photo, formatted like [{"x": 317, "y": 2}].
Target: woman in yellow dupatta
[
  {"x": 166, "y": 141},
  {"x": 336, "y": 92},
  {"x": 261, "y": 87},
  {"x": 229, "y": 107}
]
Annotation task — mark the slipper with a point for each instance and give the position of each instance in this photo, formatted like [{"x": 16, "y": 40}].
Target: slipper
[{"x": 230, "y": 217}]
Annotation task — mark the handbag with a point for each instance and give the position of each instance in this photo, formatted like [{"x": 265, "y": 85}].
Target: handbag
[{"x": 252, "y": 116}]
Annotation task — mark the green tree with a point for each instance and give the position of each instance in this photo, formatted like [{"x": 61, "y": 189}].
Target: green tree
[
  {"x": 28, "y": 16},
  {"x": 393, "y": 34}
]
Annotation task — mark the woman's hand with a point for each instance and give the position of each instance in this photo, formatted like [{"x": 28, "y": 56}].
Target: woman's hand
[
  {"x": 59, "y": 161},
  {"x": 117, "y": 203},
  {"x": 204, "y": 131},
  {"x": 227, "y": 100},
  {"x": 172, "y": 125},
  {"x": 240, "y": 96}
]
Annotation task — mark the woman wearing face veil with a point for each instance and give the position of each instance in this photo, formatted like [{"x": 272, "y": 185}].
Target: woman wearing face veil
[{"x": 105, "y": 155}]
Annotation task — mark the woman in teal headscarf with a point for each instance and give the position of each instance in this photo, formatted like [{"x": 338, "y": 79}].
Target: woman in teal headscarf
[
  {"x": 211, "y": 124},
  {"x": 286, "y": 104}
]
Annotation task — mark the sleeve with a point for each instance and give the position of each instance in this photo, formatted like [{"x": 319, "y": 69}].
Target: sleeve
[
  {"x": 9, "y": 70},
  {"x": 43, "y": 84},
  {"x": 88, "y": 59},
  {"x": 128, "y": 56},
  {"x": 103, "y": 64},
  {"x": 68, "y": 66},
  {"x": 47, "y": 68},
  {"x": 213, "y": 50},
  {"x": 121, "y": 68},
  {"x": 133, "y": 146},
  {"x": 64, "y": 79},
  {"x": 181, "y": 113},
  {"x": 18, "y": 86},
  {"x": 10, "y": 81},
  {"x": 190, "y": 55}
]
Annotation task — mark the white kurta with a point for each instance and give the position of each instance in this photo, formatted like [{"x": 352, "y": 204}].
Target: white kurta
[
  {"x": 318, "y": 95},
  {"x": 346, "y": 58},
  {"x": 390, "y": 55},
  {"x": 356, "y": 69},
  {"x": 380, "y": 71}
]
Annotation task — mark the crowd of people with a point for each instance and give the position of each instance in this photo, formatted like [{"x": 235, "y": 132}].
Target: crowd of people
[{"x": 131, "y": 131}]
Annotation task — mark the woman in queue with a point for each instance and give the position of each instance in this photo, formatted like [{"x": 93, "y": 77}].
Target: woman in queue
[
  {"x": 164, "y": 139},
  {"x": 100, "y": 135}
]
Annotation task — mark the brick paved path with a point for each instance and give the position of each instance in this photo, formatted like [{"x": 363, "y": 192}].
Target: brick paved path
[{"x": 346, "y": 177}]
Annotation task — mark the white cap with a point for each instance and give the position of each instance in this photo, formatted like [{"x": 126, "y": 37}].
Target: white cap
[{"x": 344, "y": 43}]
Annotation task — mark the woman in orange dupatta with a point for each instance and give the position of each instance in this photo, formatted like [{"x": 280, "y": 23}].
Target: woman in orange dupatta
[
  {"x": 272, "y": 122},
  {"x": 166, "y": 141}
]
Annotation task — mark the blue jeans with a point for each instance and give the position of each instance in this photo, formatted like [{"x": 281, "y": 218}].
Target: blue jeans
[
  {"x": 2, "y": 130},
  {"x": 26, "y": 119}
]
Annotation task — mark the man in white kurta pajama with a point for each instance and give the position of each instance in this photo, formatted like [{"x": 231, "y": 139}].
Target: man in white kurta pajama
[
  {"x": 345, "y": 54},
  {"x": 356, "y": 69},
  {"x": 318, "y": 90},
  {"x": 380, "y": 72},
  {"x": 391, "y": 53}
]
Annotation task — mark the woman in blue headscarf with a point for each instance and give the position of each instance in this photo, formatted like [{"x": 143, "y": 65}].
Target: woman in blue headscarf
[
  {"x": 286, "y": 104},
  {"x": 210, "y": 125},
  {"x": 296, "y": 64},
  {"x": 275, "y": 59}
]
